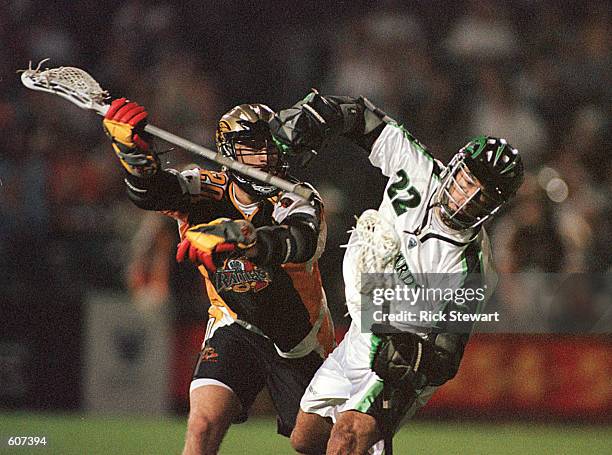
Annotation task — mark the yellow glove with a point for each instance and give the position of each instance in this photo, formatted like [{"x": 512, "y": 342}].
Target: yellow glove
[
  {"x": 212, "y": 243},
  {"x": 124, "y": 123}
]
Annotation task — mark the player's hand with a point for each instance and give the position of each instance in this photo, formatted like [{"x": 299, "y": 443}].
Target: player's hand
[
  {"x": 212, "y": 243},
  {"x": 124, "y": 123},
  {"x": 405, "y": 359},
  {"x": 306, "y": 125},
  {"x": 397, "y": 359}
]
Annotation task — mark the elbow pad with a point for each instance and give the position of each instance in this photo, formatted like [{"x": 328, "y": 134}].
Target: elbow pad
[
  {"x": 315, "y": 119},
  {"x": 294, "y": 242}
]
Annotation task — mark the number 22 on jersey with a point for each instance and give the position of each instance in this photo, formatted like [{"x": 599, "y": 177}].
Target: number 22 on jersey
[{"x": 402, "y": 195}]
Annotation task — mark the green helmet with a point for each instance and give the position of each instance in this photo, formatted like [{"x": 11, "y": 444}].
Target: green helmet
[{"x": 492, "y": 168}]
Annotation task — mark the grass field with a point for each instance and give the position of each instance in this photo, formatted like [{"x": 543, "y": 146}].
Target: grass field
[{"x": 75, "y": 434}]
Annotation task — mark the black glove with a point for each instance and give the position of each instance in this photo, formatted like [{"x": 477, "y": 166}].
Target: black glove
[
  {"x": 307, "y": 124},
  {"x": 406, "y": 360}
]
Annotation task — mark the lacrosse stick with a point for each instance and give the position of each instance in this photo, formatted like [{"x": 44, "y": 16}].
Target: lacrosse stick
[
  {"x": 377, "y": 242},
  {"x": 378, "y": 246},
  {"x": 81, "y": 89}
]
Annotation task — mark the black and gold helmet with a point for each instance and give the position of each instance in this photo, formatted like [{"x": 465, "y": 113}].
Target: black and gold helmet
[
  {"x": 488, "y": 163},
  {"x": 246, "y": 126}
]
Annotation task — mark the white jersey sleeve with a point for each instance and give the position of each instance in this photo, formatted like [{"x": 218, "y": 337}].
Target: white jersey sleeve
[{"x": 397, "y": 149}]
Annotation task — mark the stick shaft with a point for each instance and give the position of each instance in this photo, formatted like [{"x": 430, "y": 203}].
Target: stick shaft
[
  {"x": 73, "y": 95},
  {"x": 217, "y": 157},
  {"x": 386, "y": 415}
]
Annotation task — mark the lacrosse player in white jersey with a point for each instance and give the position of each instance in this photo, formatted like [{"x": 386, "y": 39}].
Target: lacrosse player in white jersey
[{"x": 429, "y": 223}]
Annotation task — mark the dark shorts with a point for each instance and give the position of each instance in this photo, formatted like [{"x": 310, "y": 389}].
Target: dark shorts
[{"x": 246, "y": 362}]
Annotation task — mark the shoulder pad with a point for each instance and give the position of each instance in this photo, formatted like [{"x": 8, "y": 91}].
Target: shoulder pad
[{"x": 206, "y": 184}]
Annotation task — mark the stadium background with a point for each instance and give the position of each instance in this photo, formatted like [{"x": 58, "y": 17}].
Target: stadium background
[{"x": 100, "y": 326}]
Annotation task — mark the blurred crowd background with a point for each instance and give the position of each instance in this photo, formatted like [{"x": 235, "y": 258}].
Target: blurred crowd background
[{"x": 534, "y": 72}]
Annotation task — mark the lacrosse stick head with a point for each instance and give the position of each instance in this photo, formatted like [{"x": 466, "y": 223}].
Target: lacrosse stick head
[
  {"x": 71, "y": 83},
  {"x": 369, "y": 261},
  {"x": 378, "y": 243}
]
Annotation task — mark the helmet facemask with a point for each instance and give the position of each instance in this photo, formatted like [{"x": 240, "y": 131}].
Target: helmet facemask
[
  {"x": 244, "y": 135},
  {"x": 463, "y": 200},
  {"x": 479, "y": 180},
  {"x": 259, "y": 152}
]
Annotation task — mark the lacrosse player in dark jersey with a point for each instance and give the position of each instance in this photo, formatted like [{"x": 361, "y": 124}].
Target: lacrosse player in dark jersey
[{"x": 257, "y": 249}]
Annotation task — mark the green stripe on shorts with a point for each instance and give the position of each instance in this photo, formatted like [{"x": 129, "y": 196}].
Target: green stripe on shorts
[
  {"x": 375, "y": 342},
  {"x": 369, "y": 397}
]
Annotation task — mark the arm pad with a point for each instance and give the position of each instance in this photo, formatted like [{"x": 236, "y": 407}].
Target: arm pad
[
  {"x": 315, "y": 119},
  {"x": 447, "y": 353},
  {"x": 161, "y": 191},
  {"x": 294, "y": 241}
]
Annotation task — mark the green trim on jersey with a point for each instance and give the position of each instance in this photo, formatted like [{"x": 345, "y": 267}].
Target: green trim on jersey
[
  {"x": 419, "y": 147},
  {"x": 471, "y": 259},
  {"x": 481, "y": 268},
  {"x": 366, "y": 402},
  {"x": 368, "y": 399},
  {"x": 376, "y": 340},
  {"x": 473, "y": 269},
  {"x": 414, "y": 141}
]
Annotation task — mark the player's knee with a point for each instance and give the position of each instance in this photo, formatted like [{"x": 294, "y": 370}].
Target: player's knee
[
  {"x": 310, "y": 434},
  {"x": 351, "y": 436},
  {"x": 303, "y": 442},
  {"x": 341, "y": 442},
  {"x": 202, "y": 426}
]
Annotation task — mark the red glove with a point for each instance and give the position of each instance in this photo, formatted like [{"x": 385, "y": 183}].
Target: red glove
[
  {"x": 211, "y": 244},
  {"x": 124, "y": 123}
]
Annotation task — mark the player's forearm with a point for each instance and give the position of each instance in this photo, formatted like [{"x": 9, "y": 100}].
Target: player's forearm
[
  {"x": 295, "y": 241},
  {"x": 316, "y": 119},
  {"x": 361, "y": 122},
  {"x": 161, "y": 191}
]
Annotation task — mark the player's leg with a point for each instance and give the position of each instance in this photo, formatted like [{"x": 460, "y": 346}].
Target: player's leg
[
  {"x": 318, "y": 406},
  {"x": 354, "y": 433},
  {"x": 287, "y": 380},
  {"x": 212, "y": 410},
  {"x": 360, "y": 424},
  {"x": 311, "y": 433},
  {"x": 227, "y": 378},
  {"x": 359, "y": 418}
]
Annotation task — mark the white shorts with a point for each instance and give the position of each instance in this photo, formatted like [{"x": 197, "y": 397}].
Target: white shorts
[{"x": 345, "y": 382}]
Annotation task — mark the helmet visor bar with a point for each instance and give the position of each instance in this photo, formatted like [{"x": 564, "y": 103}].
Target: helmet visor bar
[
  {"x": 463, "y": 201},
  {"x": 259, "y": 152}
]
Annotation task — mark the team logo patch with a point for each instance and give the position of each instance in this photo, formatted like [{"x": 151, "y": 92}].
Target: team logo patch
[
  {"x": 209, "y": 354},
  {"x": 241, "y": 275}
]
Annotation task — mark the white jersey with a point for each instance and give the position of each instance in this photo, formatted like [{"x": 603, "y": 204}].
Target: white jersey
[
  {"x": 427, "y": 249},
  {"x": 427, "y": 246}
]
